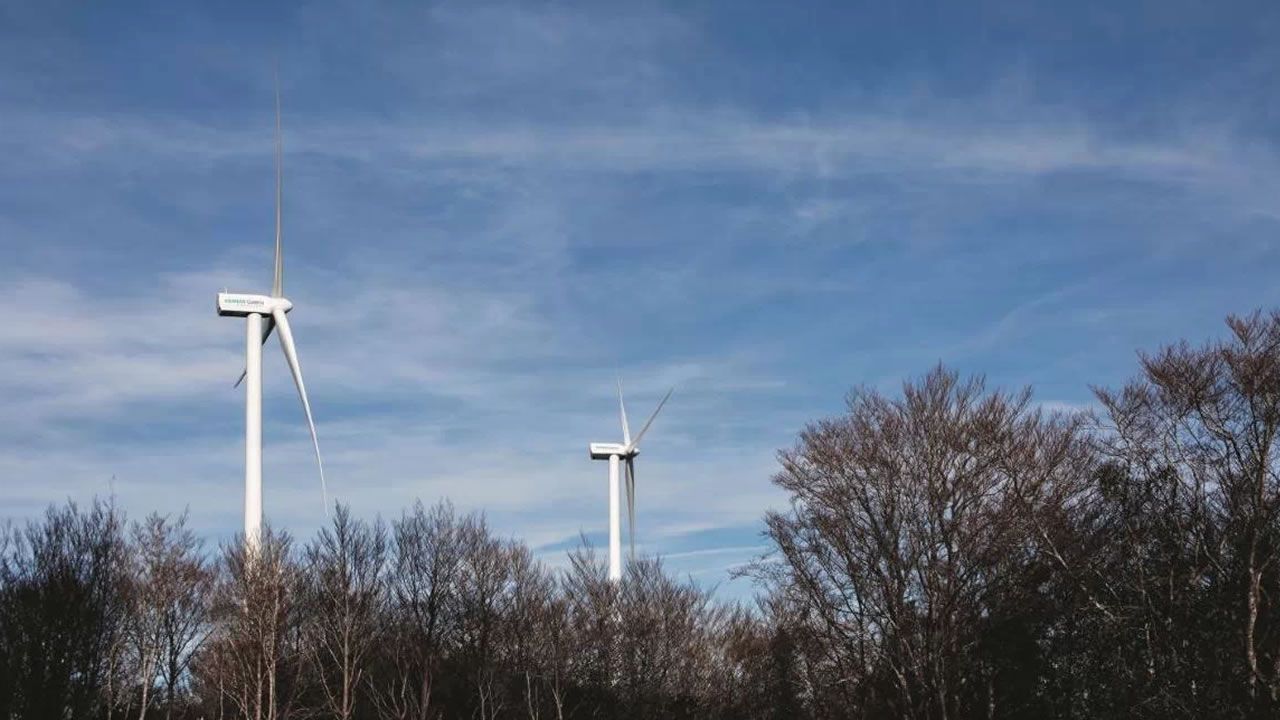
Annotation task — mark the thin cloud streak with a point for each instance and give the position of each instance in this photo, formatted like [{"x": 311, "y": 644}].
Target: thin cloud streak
[{"x": 672, "y": 140}]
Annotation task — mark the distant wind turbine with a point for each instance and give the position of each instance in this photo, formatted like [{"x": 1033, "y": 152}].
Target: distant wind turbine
[
  {"x": 266, "y": 313},
  {"x": 615, "y": 453}
]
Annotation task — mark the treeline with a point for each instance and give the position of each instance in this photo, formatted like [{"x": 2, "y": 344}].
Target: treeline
[
  {"x": 431, "y": 616},
  {"x": 950, "y": 552}
]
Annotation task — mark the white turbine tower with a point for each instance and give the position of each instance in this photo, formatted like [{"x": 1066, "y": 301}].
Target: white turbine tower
[
  {"x": 265, "y": 313},
  {"x": 615, "y": 453}
]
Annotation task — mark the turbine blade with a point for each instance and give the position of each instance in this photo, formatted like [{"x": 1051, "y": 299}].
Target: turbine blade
[
  {"x": 631, "y": 504},
  {"x": 268, "y": 324},
  {"x": 622, "y": 411},
  {"x": 635, "y": 443},
  {"x": 277, "y": 283},
  {"x": 291, "y": 355}
]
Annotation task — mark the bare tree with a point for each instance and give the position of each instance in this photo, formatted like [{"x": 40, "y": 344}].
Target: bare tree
[
  {"x": 251, "y": 661},
  {"x": 534, "y": 634},
  {"x": 61, "y": 612},
  {"x": 908, "y": 517},
  {"x": 1194, "y": 490},
  {"x": 169, "y": 596},
  {"x": 484, "y": 584},
  {"x": 344, "y": 594},
  {"x": 667, "y": 638},
  {"x": 428, "y": 547},
  {"x": 593, "y": 617}
]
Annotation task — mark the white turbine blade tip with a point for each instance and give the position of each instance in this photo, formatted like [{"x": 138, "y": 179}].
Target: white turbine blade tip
[
  {"x": 643, "y": 430},
  {"x": 622, "y": 412},
  {"x": 277, "y": 282}
]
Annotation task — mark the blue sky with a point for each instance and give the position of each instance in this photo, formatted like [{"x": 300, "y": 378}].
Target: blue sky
[{"x": 492, "y": 210}]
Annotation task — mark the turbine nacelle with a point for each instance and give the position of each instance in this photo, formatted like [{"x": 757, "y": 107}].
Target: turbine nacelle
[
  {"x": 245, "y": 304},
  {"x": 602, "y": 451}
]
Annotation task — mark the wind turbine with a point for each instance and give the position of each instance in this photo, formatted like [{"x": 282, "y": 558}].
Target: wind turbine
[
  {"x": 265, "y": 313},
  {"x": 616, "y": 453}
]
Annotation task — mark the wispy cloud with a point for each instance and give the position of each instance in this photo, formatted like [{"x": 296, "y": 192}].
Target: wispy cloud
[
  {"x": 494, "y": 210},
  {"x": 675, "y": 138}
]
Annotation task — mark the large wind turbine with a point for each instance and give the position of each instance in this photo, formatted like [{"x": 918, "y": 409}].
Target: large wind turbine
[
  {"x": 616, "y": 453},
  {"x": 265, "y": 313}
]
